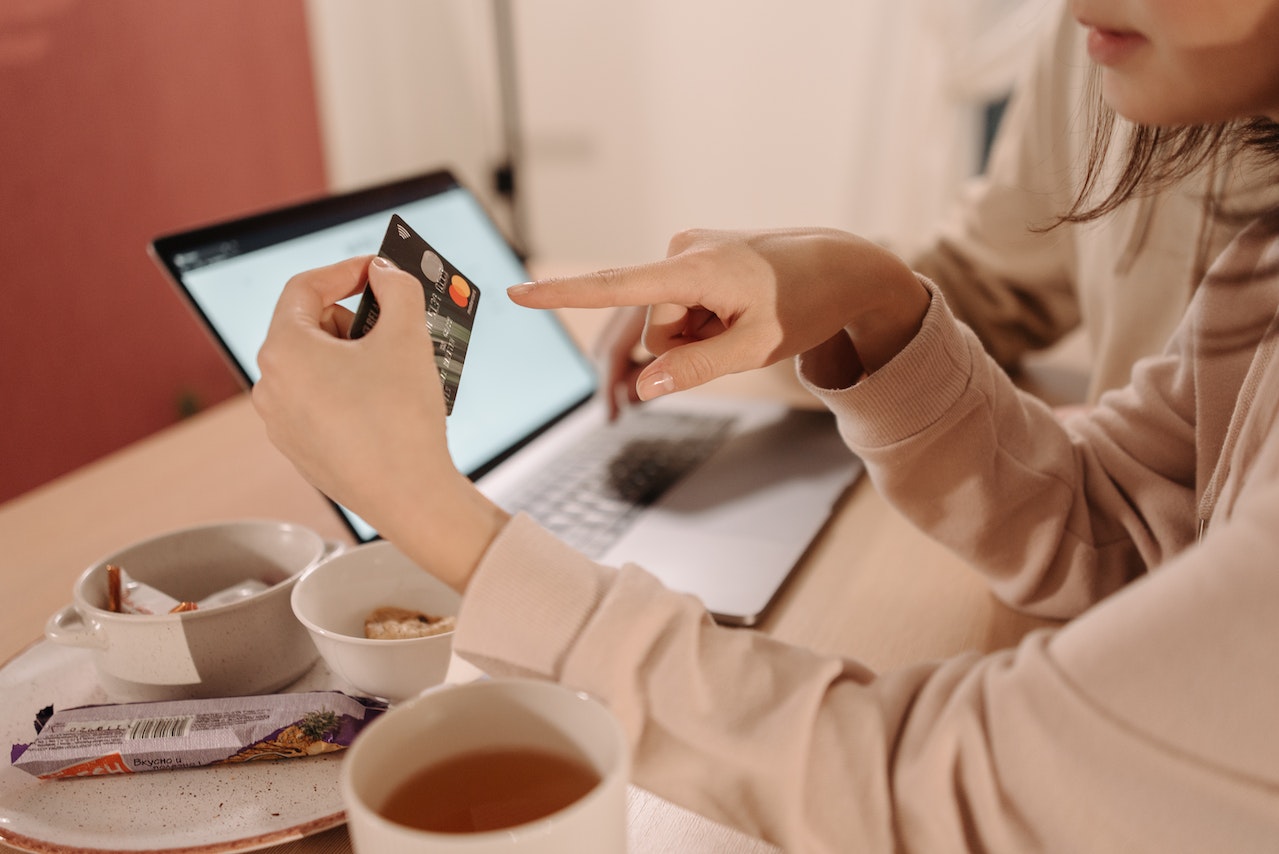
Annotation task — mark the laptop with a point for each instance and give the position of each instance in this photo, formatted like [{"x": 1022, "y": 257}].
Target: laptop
[{"x": 734, "y": 492}]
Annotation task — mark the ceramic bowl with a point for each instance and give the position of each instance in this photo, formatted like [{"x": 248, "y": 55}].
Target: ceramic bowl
[
  {"x": 333, "y": 599},
  {"x": 249, "y": 644}
]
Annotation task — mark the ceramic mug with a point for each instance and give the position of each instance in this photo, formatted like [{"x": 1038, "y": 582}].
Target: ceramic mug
[
  {"x": 488, "y": 716},
  {"x": 250, "y": 645}
]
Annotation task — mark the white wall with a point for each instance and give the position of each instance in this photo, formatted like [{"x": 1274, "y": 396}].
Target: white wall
[
  {"x": 640, "y": 119},
  {"x": 404, "y": 86},
  {"x": 659, "y": 116}
]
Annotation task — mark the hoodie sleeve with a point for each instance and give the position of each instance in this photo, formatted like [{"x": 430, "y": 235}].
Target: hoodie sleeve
[
  {"x": 1056, "y": 516},
  {"x": 1143, "y": 726}
]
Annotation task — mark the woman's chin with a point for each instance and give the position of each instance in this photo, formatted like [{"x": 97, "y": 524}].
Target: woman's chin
[{"x": 1141, "y": 108}]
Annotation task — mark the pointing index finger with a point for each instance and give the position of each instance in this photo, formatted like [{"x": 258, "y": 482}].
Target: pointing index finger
[{"x": 647, "y": 284}]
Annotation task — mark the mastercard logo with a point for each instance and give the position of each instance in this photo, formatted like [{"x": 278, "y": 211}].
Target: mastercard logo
[{"x": 460, "y": 290}]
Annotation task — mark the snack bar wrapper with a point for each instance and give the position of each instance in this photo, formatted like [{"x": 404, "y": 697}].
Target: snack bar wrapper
[{"x": 89, "y": 741}]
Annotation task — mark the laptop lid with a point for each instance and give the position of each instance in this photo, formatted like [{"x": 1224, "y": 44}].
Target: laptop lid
[{"x": 232, "y": 274}]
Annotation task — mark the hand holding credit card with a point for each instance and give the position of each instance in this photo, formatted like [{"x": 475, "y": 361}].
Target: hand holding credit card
[{"x": 451, "y": 301}]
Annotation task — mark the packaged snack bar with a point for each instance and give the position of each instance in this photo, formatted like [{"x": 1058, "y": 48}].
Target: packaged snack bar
[{"x": 122, "y": 739}]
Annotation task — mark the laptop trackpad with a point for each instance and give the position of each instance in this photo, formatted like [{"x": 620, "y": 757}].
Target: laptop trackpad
[
  {"x": 731, "y": 531},
  {"x": 735, "y": 577}
]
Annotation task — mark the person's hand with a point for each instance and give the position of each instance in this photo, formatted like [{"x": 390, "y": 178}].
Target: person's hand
[
  {"x": 724, "y": 302},
  {"x": 332, "y": 404},
  {"x": 363, "y": 420},
  {"x": 615, "y": 358}
]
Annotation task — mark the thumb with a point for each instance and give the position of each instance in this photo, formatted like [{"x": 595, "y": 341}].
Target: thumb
[
  {"x": 690, "y": 365},
  {"x": 400, "y": 298}
]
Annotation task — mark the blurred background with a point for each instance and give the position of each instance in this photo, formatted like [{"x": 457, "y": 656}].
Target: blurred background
[{"x": 593, "y": 130}]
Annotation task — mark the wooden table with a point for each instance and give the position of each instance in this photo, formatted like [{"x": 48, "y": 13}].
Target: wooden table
[{"x": 902, "y": 598}]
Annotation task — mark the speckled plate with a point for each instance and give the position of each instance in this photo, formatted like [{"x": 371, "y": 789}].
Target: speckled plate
[{"x": 229, "y": 808}]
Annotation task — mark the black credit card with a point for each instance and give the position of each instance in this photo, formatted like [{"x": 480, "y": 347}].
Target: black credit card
[{"x": 451, "y": 301}]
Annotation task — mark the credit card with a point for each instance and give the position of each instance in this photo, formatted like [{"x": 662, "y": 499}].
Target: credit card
[{"x": 451, "y": 301}]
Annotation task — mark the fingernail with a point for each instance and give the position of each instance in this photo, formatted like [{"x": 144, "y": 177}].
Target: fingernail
[
  {"x": 519, "y": 290},
  {"x": 384, "y": 263},
  {"x": 655, "y": 385}
]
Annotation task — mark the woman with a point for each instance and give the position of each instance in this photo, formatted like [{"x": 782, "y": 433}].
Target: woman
[{"x": 1146, "y": 723}]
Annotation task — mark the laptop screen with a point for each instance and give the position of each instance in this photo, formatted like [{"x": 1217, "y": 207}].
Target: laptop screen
[{"x": 522, "y": 370}]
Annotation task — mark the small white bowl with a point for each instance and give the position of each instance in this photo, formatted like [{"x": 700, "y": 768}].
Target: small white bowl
[{"x": 333, "y": 599}]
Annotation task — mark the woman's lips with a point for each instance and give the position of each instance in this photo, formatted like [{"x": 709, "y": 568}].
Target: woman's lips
[{"x": 1110, "y": 47}]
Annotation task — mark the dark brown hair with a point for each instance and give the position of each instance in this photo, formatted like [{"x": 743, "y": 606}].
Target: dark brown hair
[{"x": 1161, "y": 156}]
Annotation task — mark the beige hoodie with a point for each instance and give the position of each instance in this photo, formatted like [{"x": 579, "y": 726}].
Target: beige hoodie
[{"x": 1148, "y": 723}]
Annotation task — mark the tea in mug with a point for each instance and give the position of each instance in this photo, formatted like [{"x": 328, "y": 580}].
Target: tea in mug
[{"x": 489, "y": 790}]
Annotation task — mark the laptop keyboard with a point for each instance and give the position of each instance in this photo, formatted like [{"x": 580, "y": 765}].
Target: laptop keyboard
[{"x": 589, "y": 496}]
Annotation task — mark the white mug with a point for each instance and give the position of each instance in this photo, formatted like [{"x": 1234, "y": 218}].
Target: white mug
[
  {"x": 489, "y": 714},
  {"x": 252, "y": 645}
]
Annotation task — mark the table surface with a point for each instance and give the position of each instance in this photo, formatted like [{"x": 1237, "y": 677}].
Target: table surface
[{"x": 902, "y": 598}]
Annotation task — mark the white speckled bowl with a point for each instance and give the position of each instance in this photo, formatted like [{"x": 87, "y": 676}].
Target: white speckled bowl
[
  {"x": 333, "y": 598},
  {"x": 253, "y": 645}
]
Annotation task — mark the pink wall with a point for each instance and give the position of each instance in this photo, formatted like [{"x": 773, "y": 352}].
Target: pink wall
[{"x": 119, "y": 121}]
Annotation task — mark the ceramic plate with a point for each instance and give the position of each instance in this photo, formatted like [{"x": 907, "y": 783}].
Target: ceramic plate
[{"x": 230, "y": 808}]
